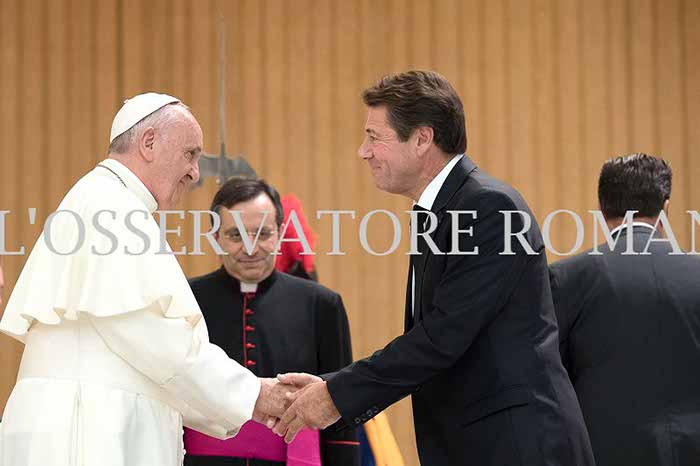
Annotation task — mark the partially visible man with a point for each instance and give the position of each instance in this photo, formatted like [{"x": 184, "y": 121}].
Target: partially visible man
[
  {"x": 117, "y": 355},
  {"x": 272, "y": 323},
  {"x": 630, "y": 326},
  {"x": 2, "y": 281},
  {"x": 479, "y": 355}
]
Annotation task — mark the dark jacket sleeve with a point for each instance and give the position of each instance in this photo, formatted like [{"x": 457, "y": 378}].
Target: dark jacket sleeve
[
  {"x": 572, "y": 281},
  {"x": 562, "y": 311},
  {"x": 472, "y": 291},
  {"x": 338, "y": 448}
]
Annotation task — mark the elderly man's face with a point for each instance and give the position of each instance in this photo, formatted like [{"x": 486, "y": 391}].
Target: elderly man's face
[
  {"x": 180, "y": 148},
  {"x": 259, "y": 264},
  {"x": 392, "y": 162}
]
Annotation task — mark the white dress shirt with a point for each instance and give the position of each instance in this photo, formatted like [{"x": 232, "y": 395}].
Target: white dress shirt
[{"x": 634, "y": 224}]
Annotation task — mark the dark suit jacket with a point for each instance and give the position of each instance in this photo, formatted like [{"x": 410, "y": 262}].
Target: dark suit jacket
[
  {"x": 481, "y": 361},
  {"x": 630, "y": 339}
]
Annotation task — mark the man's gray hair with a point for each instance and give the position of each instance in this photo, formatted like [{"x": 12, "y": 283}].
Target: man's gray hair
[{"x": 160, "y": 119}]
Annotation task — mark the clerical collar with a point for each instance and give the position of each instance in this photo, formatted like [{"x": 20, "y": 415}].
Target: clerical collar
[
  {"x": 427, "y": 198},
  {"x": 622, "y": 226},
  {"x": 243, "y": 287},
  {"x": 249, "y": 287},
  {"x": 131, "y": 181}
]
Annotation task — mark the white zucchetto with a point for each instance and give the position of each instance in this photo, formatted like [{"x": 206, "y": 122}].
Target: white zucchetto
[{"x": 136, "y": 109}]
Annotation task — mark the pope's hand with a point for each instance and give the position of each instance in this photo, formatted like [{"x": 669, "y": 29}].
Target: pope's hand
[{"x": 274, "y": 399}]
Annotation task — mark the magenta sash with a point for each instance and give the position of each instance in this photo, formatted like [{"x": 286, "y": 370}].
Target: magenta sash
[{"x": 254, "y": 440}]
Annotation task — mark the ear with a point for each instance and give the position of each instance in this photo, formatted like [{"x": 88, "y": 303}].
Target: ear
[
  {"x": 424, "y": 138},
  {"x": 667, "y": 202},
  {"x": 147, "y": 144}
]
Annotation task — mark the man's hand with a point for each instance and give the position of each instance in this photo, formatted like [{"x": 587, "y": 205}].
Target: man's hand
[
  {"x": 298, "y": 379},
  {"x": 312, "y": 407},
  {"x": 274, "y": 399}
]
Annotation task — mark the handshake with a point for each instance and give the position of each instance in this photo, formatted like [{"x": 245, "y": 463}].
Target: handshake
[{"x": 291, "y": 401}]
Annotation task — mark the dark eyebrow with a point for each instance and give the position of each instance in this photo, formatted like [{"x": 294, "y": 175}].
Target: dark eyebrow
[{"x": 371, "y": 131}]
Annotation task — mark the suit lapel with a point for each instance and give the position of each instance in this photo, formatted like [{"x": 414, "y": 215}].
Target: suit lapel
[{"x": 452, "y": 183}]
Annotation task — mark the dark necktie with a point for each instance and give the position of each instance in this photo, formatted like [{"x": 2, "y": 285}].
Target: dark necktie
[
  {"x": 421, "y": 218},
  {"x": 422, "y": 221}
]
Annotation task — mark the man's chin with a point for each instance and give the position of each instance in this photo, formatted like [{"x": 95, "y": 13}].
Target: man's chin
[
  {"x": 175, "y": 198},
  {"x": 252, "y": 277}
]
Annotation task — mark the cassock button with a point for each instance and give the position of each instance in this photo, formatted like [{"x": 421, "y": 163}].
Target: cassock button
[
  {"x": 248, "y": 312},
  {"x": 369, "y": 412},
  {"x": 375, "y": 410},
  {"x": 249, "y": 328},
  {"x": 250, "y": 363},
  {"x": 357, "y": 420},
  {"x": 250, "y": 345}
]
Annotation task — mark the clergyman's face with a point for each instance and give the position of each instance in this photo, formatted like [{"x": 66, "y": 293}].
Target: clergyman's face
[
  {"x": 180, "y": 147},
  {"x": 392, "y": 162},
  {"x": 259, "y": 264}
]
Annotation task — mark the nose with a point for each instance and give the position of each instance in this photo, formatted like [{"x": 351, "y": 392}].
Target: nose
[
  {"x": 363, "y": 151},
  {"x": 256, "y": 246},
  {"x": 194, "y": 172}
]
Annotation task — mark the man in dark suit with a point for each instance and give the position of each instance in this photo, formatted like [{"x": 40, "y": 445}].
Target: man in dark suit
[
  {"x": 479, "y": 355},
  {"x": 630, "y": 326}
]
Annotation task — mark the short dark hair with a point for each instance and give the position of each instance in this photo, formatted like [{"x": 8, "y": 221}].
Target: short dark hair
[
  {"x": 421, "y": 98},
  {"x": 237, "y": 190},
  {"x": 634, "y": 182}
]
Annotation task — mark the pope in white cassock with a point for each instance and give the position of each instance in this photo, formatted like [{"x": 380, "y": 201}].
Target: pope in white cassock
[{"x": 117, "y": 357}]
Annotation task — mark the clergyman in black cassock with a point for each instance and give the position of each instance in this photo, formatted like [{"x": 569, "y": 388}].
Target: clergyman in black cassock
[{"x": 267, "y": 320}]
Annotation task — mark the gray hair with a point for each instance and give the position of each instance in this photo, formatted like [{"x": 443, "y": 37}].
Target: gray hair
[{"x": 160, "y": 119}]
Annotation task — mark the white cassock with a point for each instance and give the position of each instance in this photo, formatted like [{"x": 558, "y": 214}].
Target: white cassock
[{"x": 117, "y": 356}]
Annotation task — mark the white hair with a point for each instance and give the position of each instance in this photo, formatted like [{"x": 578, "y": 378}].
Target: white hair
[{"x": 161, "y": 119}]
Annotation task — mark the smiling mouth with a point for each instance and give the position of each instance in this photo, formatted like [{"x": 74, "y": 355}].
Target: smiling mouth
[{"x": 254, "y": 261}]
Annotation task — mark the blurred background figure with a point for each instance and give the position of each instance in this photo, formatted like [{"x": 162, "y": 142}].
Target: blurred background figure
[
  {"x": 272, "y": 323},
  {"x": 291, "y": 260},
  {"x": 629, "y": 327},
  {"x": 2, "y": 281}
]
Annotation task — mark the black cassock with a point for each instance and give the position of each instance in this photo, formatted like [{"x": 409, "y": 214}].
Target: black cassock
[{"x": 288, "y": 325}]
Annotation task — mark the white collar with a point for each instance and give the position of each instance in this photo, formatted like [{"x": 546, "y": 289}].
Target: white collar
[
  {"x": 427, "y": 198},
  {"x": 249, "y": 287},
  {"x": 132, "y": 182},
  {"x": 634, "y": 224}
]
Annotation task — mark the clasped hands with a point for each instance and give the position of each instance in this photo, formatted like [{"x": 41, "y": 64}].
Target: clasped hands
[{"x": 292, "y": 401}]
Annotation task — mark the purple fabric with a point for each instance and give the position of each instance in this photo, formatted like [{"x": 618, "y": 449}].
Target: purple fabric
[{"x": 254, "y": 440}]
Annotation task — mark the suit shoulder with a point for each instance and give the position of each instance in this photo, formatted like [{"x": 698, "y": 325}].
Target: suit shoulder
[
  {"x": 486, "y": 190},
  {"x": 577, "y": 260},
  {"x": 578, "y": 269}
]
